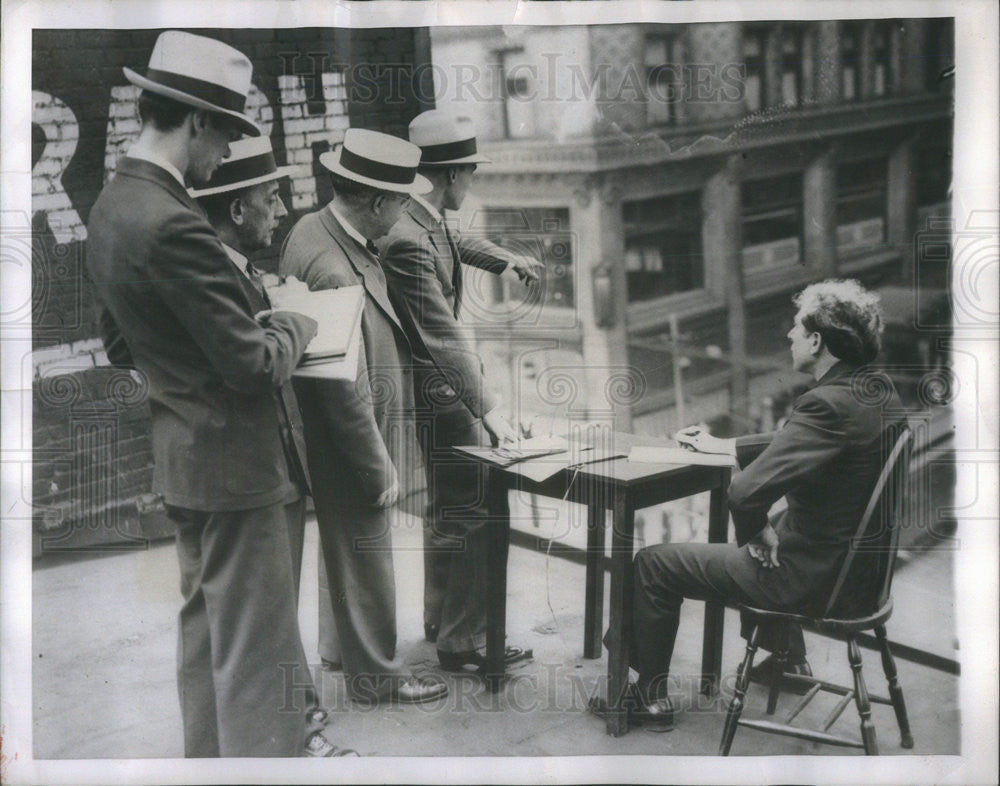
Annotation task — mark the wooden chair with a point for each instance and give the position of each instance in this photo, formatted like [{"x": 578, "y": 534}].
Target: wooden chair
[{"x": 862, "y": 585}]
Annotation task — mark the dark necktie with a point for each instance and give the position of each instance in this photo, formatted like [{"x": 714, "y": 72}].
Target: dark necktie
[
  {"x": 373, "y": 249},
  {"x": 456, "y": 271},
  {"x": 258, "y": 283}
]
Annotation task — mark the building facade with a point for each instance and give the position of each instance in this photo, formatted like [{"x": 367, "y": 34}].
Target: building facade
[{"x": 692, "y": 177}]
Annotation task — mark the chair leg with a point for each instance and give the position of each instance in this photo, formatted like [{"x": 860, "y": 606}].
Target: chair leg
[
  {"x": 736, "y": 705},
  {"x": 780, "y": 659},
  {"x": 861, "y": 698},
  {"x": 895, "y": 692}
]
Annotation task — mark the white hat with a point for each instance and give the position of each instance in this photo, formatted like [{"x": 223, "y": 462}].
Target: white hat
[
  {"x": 201, "y": 72},
  {"x": 251, "y": 161},
  {"x": 444, "y": 138},
  {"x": 378, "y": 160}
]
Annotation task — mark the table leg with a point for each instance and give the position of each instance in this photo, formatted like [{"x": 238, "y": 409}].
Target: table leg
[
  {"x": 711, "y": 648},
  {"x": 496, "y": 579},
  {"x": 593, "y": 611},
  {"x": 620, "y": 625}
]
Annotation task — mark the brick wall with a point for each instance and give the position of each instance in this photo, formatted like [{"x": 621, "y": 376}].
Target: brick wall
[{"x": 92, "y": 465}]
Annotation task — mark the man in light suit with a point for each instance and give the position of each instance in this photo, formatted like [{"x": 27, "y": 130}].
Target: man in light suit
[
  {"x": 176, "y": 309},
  {"x": 423, "y": 261},
  {"x": 354, "y": 429},
  {"x": 825, "y": 460},
  {"x": 243, "y": 206}
]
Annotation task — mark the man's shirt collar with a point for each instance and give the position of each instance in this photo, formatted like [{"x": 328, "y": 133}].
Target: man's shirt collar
[
  {"x": 238, "y": 259},
  {"x": 350, "y": 230},
  {"x": 435, "y": 213},
  {"x": 144, "y": 154}
]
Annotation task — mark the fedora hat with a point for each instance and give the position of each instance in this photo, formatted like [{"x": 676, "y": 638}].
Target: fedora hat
[
  {"x": 444, "y": 138},
  {"x": 378, "y": 160},
  {"x": 251, "y": 161},
  {"x": 201, "y": 72}
]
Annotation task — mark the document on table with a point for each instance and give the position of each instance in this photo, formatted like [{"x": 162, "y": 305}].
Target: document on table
[
  {"x": 540, "y": 458},
  {"x": 343, "y": 367},
  {"x": 656, "y": 454}
]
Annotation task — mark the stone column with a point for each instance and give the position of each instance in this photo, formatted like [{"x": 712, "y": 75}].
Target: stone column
[
  {"x": 820, "y": 207},
  {"x": 828, "y": 65},
  {"x": 722, "y": 241},
  {"x": 902, "y": 207},
  {"x": 596, "y": 222}
]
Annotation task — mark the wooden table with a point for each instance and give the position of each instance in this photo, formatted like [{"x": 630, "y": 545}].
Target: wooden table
[{"x": 622, "y": 488}]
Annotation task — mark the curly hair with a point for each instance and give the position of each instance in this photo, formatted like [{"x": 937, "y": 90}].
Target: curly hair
[{"x": 847, "y": 317}]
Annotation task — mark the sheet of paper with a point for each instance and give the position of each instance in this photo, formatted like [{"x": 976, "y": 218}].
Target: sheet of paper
[
  {"x": 335, "y": 311},
  {"x": 345, "y": 367},
  {"x": 665, "y": 455}
]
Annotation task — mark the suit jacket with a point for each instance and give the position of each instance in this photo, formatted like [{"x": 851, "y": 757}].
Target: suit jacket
[
  {"x": 354, "y": 429},
  {"x": 825, "y": 461},
  {"x": 420, "y": 267},
  {"x": 293, "y": 439},
  {"x": 176, "y": 308}
]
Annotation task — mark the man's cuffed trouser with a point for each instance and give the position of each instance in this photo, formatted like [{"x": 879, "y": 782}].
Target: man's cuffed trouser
[{"x": 240, "y": 664}]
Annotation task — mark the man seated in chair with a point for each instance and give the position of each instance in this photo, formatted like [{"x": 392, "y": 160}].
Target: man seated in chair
[{"x": 825, "y": 461}]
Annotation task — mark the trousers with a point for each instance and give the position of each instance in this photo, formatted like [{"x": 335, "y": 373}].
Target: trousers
[
  {"x": 455, "y": 535},
  {"x": 241, "y": 668},
  {"x": 665, "y": 575}
]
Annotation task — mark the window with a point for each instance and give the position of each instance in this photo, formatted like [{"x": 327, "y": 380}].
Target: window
[
  {"x": 664, "y": 78},
  {"x": 518, "y": 92},
  {"x": 539, "y": 232},
  {"x": 861, "y": 205},
  {"x": 754, "y": 59},
  {"x": 850, "y": 61},
  {"x": 792, "y": 38},
  {"x": 882, "y": 59},
  {"x": 663, "y": 253},
  {"x": 772, "y": 222}
]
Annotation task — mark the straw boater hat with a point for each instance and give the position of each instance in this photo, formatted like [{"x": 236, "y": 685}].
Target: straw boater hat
[
  {"x": 378, "y": 160},
  {"x": 251, "y": 161},
  {"x": 444, "y": 139},
  {"x": 200, "y": 72}
]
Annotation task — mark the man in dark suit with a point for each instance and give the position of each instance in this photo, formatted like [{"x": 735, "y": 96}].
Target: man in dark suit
[
  {"x": 355, "y": 430},
  {"x": 423, "y": 260},
  {"x": 825, "y": 461},
  {"x": 176, "y": 309},
  {"x": 243, "y": 206}
]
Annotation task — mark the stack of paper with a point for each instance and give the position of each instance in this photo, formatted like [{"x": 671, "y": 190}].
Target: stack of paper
[
  {"x": 336, "y": 312},
  {"x": 333, "y": 352}
]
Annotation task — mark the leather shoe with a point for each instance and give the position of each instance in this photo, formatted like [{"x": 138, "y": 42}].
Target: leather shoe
[
  {"x": 331, "y": 665},
  {"x": 431, "y": 632},
  {"x": 320, "y": 746},
  {"x": 763, "y": 673},
  {"x": 417, "y": 690},
  {"x": 657, "y": 716},
  {"x": 457, "y": 661}
]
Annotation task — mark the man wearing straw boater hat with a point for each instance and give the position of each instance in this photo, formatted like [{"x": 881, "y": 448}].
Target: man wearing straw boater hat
[
  {"x": 244, "y": 207},
  {"x": 423, "y": 260},
  {"x": 355, "y": 430},
  {"x": 175, "y": 308}
]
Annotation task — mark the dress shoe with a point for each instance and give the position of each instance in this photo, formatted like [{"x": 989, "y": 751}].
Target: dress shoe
[
  {"x": 331, "y": 665},
  {"x": 320, "y": 746},
  {"x": 457, "y": 661},
  {"x": 417, "y": 690},
  {"x": 763, "y": 673},
  {"x": 656, "y": 716},
  {"x": 431, "y": 631}
]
